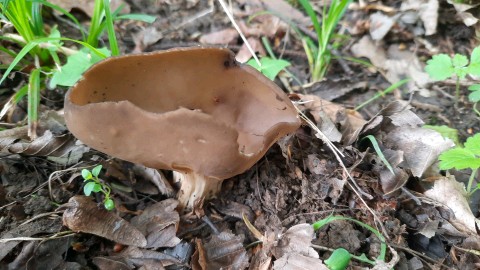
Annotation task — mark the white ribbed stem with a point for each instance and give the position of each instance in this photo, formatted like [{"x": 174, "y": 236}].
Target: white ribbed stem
[{"x": 195, "y": 187}]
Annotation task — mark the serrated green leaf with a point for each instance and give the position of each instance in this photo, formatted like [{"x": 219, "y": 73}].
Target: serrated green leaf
[
  {"x": 473, "y": 144},
  {"x": 440, "y": 67},
  {"x": 459, "y": 60},
  {"x": 109, "y": 204},
  {"x": 86, "y": 174},
  {"x": 474, "y": 67},
  {"x": 446, "y": 132},
  {"x": 270, "y": 67},
  {"x": 461, "y": 72},
  {"x": 474, "y": 96},
  {"x": 88, "y": 188},
  {"x": 96, "y": 171},
  {"x": 458, "y": 158}
]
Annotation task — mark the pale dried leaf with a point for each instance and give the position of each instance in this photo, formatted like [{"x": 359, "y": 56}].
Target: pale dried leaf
[
  {"x": 84, "y": 215},
  {"x": 294, "y": 261},
  {"x": 296, "y": 239},
  {"x": 159, "y": 223},
  {"x": 244, "y": 54},
  {"x": 283, "y": 8},
  {"x": 108, "y": 263},
  {"x": 224, "y": 251},
  {"x": 155, "y": 177},
  {"x": 467, "y": 17},
  {"x": 452, "y": 194},
  {"x": 380, "y": 25},
  {"x": 222, "y": 37},
  {"x": 426, "y": 10},
  {"x": 87, "y": 6}
]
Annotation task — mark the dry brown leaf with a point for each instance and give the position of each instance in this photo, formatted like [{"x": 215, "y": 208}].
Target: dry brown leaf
[
  {"x": 244, "y": 54},
  {"x": 156, "y": 177},
  {"x": 159, "y": 223},
  {"x": 283, "y": 8},
  {"x": 222, "y": 37},
  {"x": 380, "y": 25},
  {"x": 298, "y": 262},
  {"x": 87, "y": 6},
  {"x": 84, "y": 215},
  {"x": 296, "y": 240},
  {"x": 224, "y": 251},
  {"x": 467, "y": 17},
  {"x": 452, "y": 194},
  {"x": 53, "y": 141}
]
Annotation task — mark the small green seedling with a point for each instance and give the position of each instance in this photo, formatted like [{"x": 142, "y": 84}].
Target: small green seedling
[
  {"x": 442, "y": 67},
  {"x": 466, "y": 157},
  {"x": 474, "y": 96},
  {"x": 270, "y": 67},
  {"x": 339, "y": 259},
  {"x": 94, "y": 184}
]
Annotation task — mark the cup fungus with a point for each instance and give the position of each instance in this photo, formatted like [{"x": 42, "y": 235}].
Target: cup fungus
[{"x": 195, "y": 111}]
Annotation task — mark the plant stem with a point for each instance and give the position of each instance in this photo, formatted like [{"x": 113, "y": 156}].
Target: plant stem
[
  {"x": 470, "y": 181},
  {"x": 457, "y": 91},
  {"x": 195, "y": 188}
]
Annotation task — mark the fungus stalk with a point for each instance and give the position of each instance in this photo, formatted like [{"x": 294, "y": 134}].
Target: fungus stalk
[{"x": 195, "y": 187}]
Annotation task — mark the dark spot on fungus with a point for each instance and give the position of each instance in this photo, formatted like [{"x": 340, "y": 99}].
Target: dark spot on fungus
[
  {"x": 279, "y": 98},
  {"x": 95, "y": 92},
  {"x": 133, "y": 85},
  {"x": 226, "y": 64},
  {"x": 216, "y": 100}
]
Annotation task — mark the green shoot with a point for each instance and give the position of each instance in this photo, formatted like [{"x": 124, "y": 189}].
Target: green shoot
[
  {"x": 383, "y": 93},
  {"x": 379, "y": 152},
  {"x": 339, "y": 259},
  {"x": 33, "y": 102},
  {"x": 446, "y": 132},
  {"x": 474, "y": 96},
  {"x": 95, "y": 185},
  {"x": 466, "y": 157},
  {"x": 319, "y": 54},
  {"x": 363, "y": 258},
  {"x": 442, "y": 67}
]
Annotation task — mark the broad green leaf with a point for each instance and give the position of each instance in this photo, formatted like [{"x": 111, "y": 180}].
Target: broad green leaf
[
  {"x": 474, "y": 67},
  {"x": 88, "y": 188},
  {"x": 459, "y": 60},
  {"x": 458, "y": 158},
  {"x": 440, "y": 67},
  {"x": 474, "y": 96},
  {"x": 339, "y": 259},
  {"x": 76, "y": 65},
  {"x": 86, "y": 174},
  {"x": 474, "y": 87},
  {"x": 97, "y": 187},
  {"x": 96, "y": 170},
  {"x": 270, "y": 67},
  {"x": 109, "y": 204},
  {"x": 473, "y": 144}
]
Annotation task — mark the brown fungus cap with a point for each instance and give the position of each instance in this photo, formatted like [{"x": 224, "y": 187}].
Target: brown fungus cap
[{"x": 189, "y": 110}]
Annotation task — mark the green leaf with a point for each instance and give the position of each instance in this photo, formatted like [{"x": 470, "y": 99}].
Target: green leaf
[
  {"x": 339, "y": 259},
  {"x": 440, "y": 67},
  {"x": 459, "y": 60},
  {"x": 76, "y": 65},
  {"x": 86, "y": 174},
  {"x": 474, "y": 87},
  {"x": 97, "y": 187},
  {"x": 137, "y": 17},
  {"x": 474, "y": 67},
  {"x": 458, "y": 158},
  {"x": 473, "y": 144},
  {"x": 96, "y": 170},
  {"x": 88, "y": 188},
  {"x": 474, "y": 96},
  {"x": 109, "y": 204},
  {"x": 270, "y": 67}
]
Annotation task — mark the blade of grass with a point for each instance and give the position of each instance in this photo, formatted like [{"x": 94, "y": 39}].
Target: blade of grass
[
  {"x": 383, "y": 93},
  {"x": 112, "y": 39},
  {"x": 379, "y": 152},
  {"x": 37, "y": 21},
  {"x": 97, "y": 18},
  {"x": 33, "y": 102},
  {"x": 136, "y": 17},
  {"x": 31, "y": 45}
]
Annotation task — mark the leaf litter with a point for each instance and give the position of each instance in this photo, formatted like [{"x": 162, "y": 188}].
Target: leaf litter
[{"x": 295, "y": 185}]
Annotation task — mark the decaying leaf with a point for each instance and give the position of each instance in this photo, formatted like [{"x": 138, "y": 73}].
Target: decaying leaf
[
  {"x": 298, "y": 262},
  {"x": 452, "y": 194},
  {"x": 426, "y": 11},
  {"x": 84, "y": 215},
  {"x": 461, "y": 8},
  {"x": 329, "y": 115},
  {"x": 222, "y": 37},
  {"x": 53, "y": 141},
  {"x": 297, "y": 239},
  {"x": 380, "y": 25},
  {"x": 155, "y": 177},
  {"x": 87, "y": 6},
  {"x": 224, "y": 251},
  {"x": 159, "y": 223}
]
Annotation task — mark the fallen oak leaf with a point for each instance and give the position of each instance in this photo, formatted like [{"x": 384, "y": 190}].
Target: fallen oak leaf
[{"x": 83, "y": 215}]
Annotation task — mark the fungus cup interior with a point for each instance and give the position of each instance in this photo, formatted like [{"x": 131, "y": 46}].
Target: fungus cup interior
[{"x": 193, "y": 110}]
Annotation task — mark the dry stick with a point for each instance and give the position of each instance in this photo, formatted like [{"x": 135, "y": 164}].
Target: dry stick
[
  {"x": 337, "y": 154},
  {"x": 230, "y": 17}
]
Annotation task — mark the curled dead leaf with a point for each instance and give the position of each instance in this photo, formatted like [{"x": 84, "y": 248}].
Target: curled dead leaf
[{"x": 84, "y": 215}]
